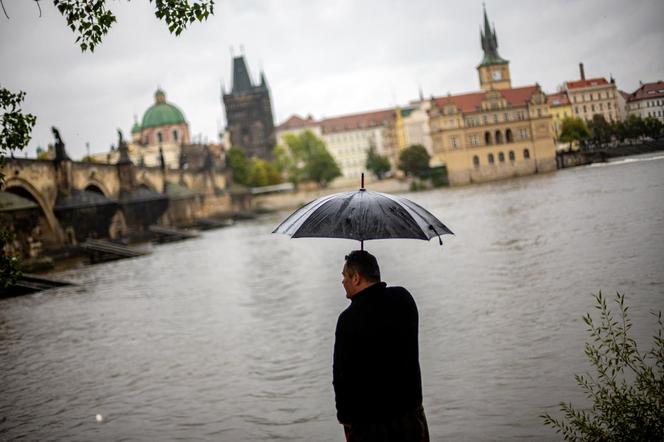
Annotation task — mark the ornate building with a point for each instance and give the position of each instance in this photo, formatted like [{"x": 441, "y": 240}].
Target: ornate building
[
  {"x": 647, "y": 101},
  {"x": 495, "y": 133},
  {"x": 249, "y": 113}
]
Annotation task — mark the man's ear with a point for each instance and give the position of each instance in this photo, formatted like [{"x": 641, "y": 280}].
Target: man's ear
[{"x": 356, "y": 278}]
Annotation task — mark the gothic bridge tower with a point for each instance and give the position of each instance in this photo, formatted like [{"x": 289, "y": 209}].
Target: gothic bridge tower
[
  {"x": 249, "y": 113},
  {"x": 494, "y": 70}
]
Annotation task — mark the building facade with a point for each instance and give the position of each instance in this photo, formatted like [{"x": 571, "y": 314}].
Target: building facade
[
  {"x": 495, "y": 133},
  {"x": 249, "y": 113},
  {"x": 647, "y": 101},
  {"x": 348, "y": 138},
  {"x": 593, "y": 96},
  {"x": 560, "y": 108}
]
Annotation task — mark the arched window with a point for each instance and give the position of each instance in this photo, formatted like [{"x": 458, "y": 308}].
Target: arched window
[
  {"x": 487, "y": 138},
  {"x": 476, "y": 161},
  {"x": 509, "y": 138},
  {"x": 501, "y": 157},
  {"x": 526, "y": 154},
  {"x": 511, "y": 154},
  {"x": 499, "y": 137},
  {"x": 490, "y": 157},
  {"x": 160, "y": 137},
  {"x": 175, "y": 135}
]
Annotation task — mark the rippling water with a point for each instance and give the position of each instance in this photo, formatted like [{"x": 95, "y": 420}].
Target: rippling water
[{"x": 229, "y": 337}]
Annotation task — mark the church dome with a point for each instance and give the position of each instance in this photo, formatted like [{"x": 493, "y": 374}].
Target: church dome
[{"x": 161, "y": 113}]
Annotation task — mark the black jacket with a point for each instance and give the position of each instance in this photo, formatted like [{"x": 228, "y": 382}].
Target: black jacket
[{"x": 376, "y": 373}]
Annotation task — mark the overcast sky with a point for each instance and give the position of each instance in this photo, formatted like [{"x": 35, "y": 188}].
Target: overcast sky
[{"x": 320, "y": 57}]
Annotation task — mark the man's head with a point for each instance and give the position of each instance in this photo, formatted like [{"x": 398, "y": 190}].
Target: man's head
[{"x": 360, "y": 271}]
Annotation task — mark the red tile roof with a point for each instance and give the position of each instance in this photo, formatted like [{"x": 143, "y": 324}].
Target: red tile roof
[
  {"x": 648, "y": 90},
  {"x": 586, "y": 83},
  {"x": 358, "y": 121},
  {"x": 472, "y": 102},
  {"x": 557, "y": 99},
  {"x": 297, "y": 122}
]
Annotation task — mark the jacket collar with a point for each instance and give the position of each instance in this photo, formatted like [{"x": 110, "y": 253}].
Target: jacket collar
[{"x": 373, "y": 288}]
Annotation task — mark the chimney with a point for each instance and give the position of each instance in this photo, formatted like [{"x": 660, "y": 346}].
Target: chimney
[{"x": 583, "y": 74}]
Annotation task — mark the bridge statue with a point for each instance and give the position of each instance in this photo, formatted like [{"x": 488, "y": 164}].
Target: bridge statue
[
  {"x": 60, "y": 152},
  {"x": 124, "y": 150}
]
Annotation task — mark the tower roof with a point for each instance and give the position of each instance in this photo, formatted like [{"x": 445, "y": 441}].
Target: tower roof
[
  {"x": 161, "y": 113},
  {"x": 241, "y": 80},
  {"x": 489, "y": 42}
]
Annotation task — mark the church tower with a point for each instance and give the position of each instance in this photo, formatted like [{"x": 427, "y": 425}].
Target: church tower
[
  {"x": 249, "y": 113},
  {"x": 494, "y": 71}
]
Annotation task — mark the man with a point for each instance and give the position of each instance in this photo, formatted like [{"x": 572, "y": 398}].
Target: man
[{"x": 376, "y": 373}]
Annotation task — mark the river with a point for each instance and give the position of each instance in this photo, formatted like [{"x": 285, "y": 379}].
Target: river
[{"x": 229, "y": 336}]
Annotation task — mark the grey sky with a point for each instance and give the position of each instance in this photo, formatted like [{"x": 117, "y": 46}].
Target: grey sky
[{"x": 320, "y": 57}]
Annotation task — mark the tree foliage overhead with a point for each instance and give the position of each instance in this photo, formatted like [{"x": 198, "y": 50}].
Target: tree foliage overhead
[
  {"x": 627, "y": 388},
  {"x": 90, "y": 20},
  {"x": 414, "y": 160},
  {"x": 377, "y": 164},
  {"x": 304, "y": 157},
  {"x": 15, "y": 126}
]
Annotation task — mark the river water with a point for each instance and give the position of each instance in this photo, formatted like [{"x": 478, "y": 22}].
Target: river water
[{"x": 229, "y": 337}]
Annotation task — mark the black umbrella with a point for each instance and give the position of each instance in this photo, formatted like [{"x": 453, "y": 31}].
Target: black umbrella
[{"x": 363, "y": 215}]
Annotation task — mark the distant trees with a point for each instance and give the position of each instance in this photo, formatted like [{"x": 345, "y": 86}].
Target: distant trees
[
  {"x": 251, "y": 172},
  {"x": 304, "y": 157},
  {"x": 377, "y": 164},
  {"x": 414, "y": 160},
  {"x": 600, "y": 132},
  {"x": 573, "y": 129}
]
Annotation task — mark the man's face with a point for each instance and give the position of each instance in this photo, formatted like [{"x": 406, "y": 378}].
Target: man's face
[{"x": 348, "y": 283}]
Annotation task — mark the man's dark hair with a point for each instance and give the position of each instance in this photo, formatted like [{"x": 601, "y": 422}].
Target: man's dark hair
[{"x": 364, "y": 263}]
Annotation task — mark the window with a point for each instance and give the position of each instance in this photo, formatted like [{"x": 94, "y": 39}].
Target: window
[
  {"x": 499, "y": 137},
  {"x": 608, "y": 105},
  {"x": 506, "y": 116},
  {"x": 476, "y": 161},
  {"x": 473, "y": 140},
  {"x": 585, "y": 109},
  {"x": 601, "y": 107},
  {"x": 526, "y": 154},
  {"x": 501, "y": 157},
  {"x": 160, "y": 137},
  {"x": 490, "y": 158},
  {"x": 485, "y": 119},
  {"x": 495, "y": 118},
  {"x": 511, "y": 154},
  {"x": 454, "y": 142},
  {"x": 175, "y": 135},
  {"x": 508, "y": 136},
  {"x": 487, "y": 138},
  {"x": 592, "y": 108},
  {"x": 523, "y": 133}
]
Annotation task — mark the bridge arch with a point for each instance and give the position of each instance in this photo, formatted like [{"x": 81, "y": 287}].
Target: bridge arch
[
  {"x": 94, "y": 185},
  {"x": 23, "y": 188}
]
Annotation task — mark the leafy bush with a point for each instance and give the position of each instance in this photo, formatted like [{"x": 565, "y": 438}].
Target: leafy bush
[{"x": 627, "y": 390}]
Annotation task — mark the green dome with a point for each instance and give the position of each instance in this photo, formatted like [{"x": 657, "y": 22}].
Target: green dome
[{"x": 161, "y": 113}]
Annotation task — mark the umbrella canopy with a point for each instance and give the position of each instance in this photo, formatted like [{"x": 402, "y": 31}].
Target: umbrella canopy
[{"x": 362, "y": 215}]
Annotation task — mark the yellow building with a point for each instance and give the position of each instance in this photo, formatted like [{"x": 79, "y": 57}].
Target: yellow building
[
  {"x": 560, "y": 108},
  {"x": 496, "y": 133}
]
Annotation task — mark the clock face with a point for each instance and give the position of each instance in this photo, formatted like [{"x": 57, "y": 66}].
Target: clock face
[{"x": 496, "y": 75}]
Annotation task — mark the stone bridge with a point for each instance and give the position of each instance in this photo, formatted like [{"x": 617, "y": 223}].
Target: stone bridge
[{"x": 54, "y": 203}]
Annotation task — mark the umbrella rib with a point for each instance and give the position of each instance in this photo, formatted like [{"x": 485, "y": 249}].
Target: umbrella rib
[
  {"x": 406, "y": 204},
  {"x": 301, "y": 213}
]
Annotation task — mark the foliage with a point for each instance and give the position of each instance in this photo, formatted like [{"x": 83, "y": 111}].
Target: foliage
[
  {"x": 627, "y": 390},
  {"x": 377, "y": 164},
  {"x": 9, "y": 264},
  {"x": 304, "y": 157},
  {"x": 414, "y": 160},
  {"x": 239, "y": 164},
  {"x": 90, "y": 20},
  {"x": 600, "y": 130},
  {"x": 573, "y": 129},
  {"x": 251, "y": 172},
  {"x": 15, "y": 128},
  {"x": 91, "y": 159}
]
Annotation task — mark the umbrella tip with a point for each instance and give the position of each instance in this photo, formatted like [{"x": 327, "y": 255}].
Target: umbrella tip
[{"x": 362, "y": 182}]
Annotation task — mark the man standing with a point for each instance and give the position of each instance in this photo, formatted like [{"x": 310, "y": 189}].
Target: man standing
[{"x": 376, "y": 373}]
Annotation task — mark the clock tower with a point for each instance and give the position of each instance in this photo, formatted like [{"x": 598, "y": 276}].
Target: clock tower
[{"x": 494, "y": 71}]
